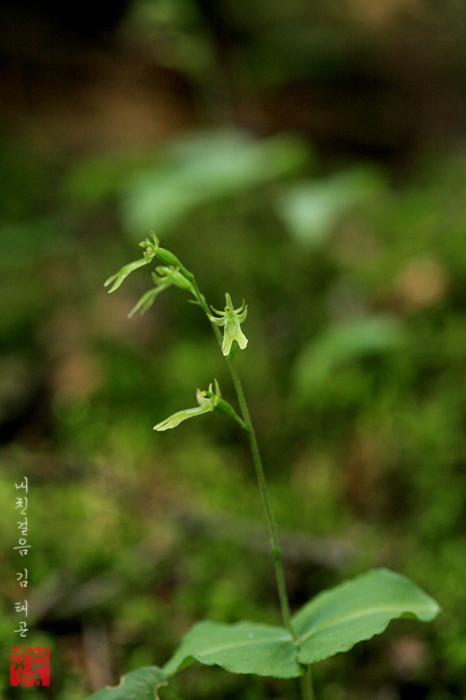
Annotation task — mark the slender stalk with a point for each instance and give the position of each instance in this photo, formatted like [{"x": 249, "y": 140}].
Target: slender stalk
[
  {"x": 307, "y": 688},
  {"x": 276, "y": 551}
]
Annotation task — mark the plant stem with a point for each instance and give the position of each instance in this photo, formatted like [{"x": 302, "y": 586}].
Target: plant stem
[
  {"x": 307, "y": 688},
  {"x": 276, "y": 551}
]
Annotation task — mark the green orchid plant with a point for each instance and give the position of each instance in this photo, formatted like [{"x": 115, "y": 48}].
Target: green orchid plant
[{"x": 333, "y": 621}]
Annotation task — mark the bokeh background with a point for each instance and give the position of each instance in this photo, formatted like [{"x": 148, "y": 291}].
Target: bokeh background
[{"x": 306, "y": 156}]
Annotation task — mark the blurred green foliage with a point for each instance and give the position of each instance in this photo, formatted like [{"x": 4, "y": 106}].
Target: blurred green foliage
[{"x": 355, "y": 372}]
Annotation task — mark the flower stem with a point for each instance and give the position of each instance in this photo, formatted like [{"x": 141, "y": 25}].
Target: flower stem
[
  {"x": 248, "y": 426},
  {"x": 307, "y": 688},
  {"x": 276, "y": 551}
]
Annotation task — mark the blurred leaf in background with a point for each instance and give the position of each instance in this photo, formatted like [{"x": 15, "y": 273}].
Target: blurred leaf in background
[
  {"x": 310, "y": 210},
  {"x": 344, "y": 343},
  {"x": 192, "y": 170}
]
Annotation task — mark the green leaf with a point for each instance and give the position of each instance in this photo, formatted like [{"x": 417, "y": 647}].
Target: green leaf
[
  {"x": 311, "y": 209},
  {"x": 244, "y": 647},
  {"x": 205, "y": 167},
  {"x": 336, "y": 620},
  {"x": 137, "y": 685},
  {"x": 345, "y": 342}
]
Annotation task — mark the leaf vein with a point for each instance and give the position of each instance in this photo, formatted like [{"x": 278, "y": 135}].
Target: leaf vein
[{"x": 336, "y": 622}]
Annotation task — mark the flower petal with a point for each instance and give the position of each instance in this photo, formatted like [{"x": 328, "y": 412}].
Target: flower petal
[{"x": 122, "y": 274}]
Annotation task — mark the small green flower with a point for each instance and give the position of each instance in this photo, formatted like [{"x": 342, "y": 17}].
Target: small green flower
[
  {"x": 207, "y": 401},
  {"x": 231, "y": 319},
  {"x": 150, "y": 251}
]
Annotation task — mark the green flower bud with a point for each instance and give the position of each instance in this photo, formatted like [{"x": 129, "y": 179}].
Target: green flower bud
[
  {"x": 153, "y": 249},
  {"x": 167, "y": 257},
  {"x": 176, "y": 277}
]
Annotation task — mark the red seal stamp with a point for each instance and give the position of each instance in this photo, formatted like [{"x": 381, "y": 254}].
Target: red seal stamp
[{"x": 29, "y": 666}]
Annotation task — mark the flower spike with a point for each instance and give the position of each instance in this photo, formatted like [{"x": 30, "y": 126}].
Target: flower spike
[{"x": 231, "y": 319}]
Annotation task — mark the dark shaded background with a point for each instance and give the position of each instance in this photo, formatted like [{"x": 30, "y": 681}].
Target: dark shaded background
[{"x": 310, "y": 158}]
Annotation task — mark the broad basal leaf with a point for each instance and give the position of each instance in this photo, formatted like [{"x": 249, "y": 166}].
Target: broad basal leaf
[
  {"x": 244, "y": 647},
  {"x": 137, "y": 685},
  {"x": 337, "y": 619}
]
